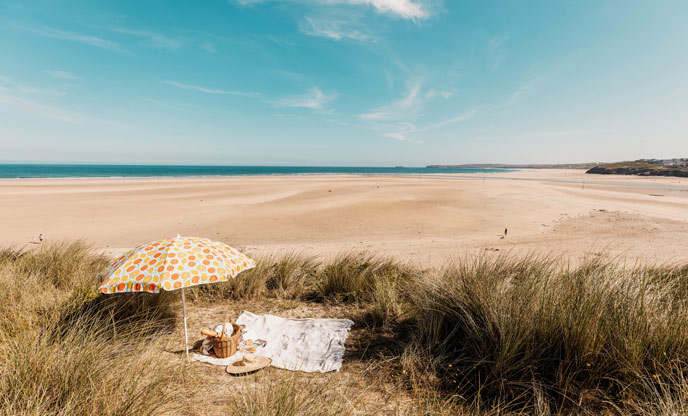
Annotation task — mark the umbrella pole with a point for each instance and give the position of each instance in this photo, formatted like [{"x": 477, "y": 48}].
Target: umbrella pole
[{"x": 186, "y": 336}]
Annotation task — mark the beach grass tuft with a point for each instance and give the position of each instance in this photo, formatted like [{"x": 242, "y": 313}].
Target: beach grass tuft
[
  {"x": 483, "y": 335},
  {"x": 63, "y": 349},
  {"x": 531, "y": 333}
]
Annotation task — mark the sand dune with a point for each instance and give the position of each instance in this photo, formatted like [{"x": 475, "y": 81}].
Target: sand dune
[{"x": 428, "y": 219}]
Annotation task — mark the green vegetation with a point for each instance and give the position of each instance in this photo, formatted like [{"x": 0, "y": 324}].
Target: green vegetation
[
  {"x": 644, "y": 167},
  {"x": 483, "y": 335}
]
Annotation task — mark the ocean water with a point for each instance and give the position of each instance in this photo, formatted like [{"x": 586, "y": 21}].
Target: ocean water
[{"x": 108, "y": 171}]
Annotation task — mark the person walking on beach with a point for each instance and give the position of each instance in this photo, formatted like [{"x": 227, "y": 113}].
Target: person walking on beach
[
  {"x": 505, "y": 231},
  {"x": 40, "y": 237}
]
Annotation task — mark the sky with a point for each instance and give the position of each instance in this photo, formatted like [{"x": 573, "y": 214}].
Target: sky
[{"x": 342, "y": 82}]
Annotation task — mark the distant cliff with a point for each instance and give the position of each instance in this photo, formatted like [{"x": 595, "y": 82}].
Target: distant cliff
[{"x": 644, "y": 167}]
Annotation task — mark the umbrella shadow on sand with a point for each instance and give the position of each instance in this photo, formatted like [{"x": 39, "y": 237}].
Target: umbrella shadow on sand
[{"x": 196, "y": 347}]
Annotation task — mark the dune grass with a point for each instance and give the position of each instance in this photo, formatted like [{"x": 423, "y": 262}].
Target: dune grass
[
  {"x": 86, "y": 371},
  {"x": 295, "y": 396},
  {"x": 65, "y": 349},
  {"x": 533, "y": 334},
  {"x": 483, "y": 335}
]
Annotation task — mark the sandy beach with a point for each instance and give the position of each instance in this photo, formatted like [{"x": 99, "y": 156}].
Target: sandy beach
[{"x": 426, "y": 219}]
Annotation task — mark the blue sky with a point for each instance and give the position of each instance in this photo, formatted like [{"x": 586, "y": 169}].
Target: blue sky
[{"x": 342, "y": 82}]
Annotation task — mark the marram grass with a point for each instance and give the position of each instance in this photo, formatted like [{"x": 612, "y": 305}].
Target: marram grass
[{"x": 482, "y": 335}]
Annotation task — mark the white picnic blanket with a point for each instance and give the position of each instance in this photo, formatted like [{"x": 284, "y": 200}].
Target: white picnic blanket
[{"x": 310, "y": 345}]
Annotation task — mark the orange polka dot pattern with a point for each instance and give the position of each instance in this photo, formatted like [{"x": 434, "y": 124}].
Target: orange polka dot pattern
[{"x": 173, "y": 264}]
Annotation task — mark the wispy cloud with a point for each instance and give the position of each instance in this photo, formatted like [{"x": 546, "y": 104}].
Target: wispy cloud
[
  {"x": 396, "y": 136},
  {"x": 208, "y": 47},
  {"x": 33, "y": 108},
  {"x": 296, "y": 77},
  {"x": 405, "y": 9},
  {"x": 403, "y": 137},
  {"x": 375, "y": 115},
  {"x": 149, "y": 38},
  {"x": 461, "y": 117},
  {"x": 29, "y": 90},
  {"x": 210, "y": 90},
  {"x": 40, "y": 91},
  {"x": 510, "y": 99},
  {"x": 495, "y": 52},
  {"x": 410, "y": 99},
  {"x": 315, "y": 99},
  {"x": 73, "y": 37},
  {"x": 396, "y": 119},
  {"x": 517, "y": 95},
  {"x": 161, "y": 103},
  {"x": 432, "y": 93},
  {"x": 332, "y": 29},
  {"x": 398, "y": 109},
  {"x": 61, "y": 74},
  {"x": 278, "y": 40}
]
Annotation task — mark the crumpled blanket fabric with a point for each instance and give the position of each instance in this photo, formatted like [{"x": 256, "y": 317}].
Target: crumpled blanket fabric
[{"x": 309, "y": 345}]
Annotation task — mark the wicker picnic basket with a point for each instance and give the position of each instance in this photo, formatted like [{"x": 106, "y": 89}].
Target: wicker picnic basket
[{"x": 226, "y": 345}]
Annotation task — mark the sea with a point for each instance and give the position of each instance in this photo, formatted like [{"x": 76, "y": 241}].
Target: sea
[{"x": 146, "y": 171}]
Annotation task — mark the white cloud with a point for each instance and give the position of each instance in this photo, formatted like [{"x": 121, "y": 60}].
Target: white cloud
[
  {"x": 510, "y": 99},
  {"x": 73, "y": 37},
  {"x": 30, "y": 107},
  {"x": 441, "y": 93},
  {"x": 410, "y": 99},
  {"x": 402, "y": 137},
  {"x": 517, "y": 95},
  {"x": 402, "y": 108},
  {"x": 495, "y": 52},
  {"x": 40, "y": 91},
  {"x": 375, "y": 115},
  {"x": 395, "y": 119},
  {"x": 406, "y": 9},
  {"x": 161, "y": 103},
  {"x": 61, "y": 74},
  {"x": 314, "y": 100},
  {"x": 333, "y": 29},
  {"x": 149, "y": 39},
  {"x": 208, "y": 47},
  {"x": 461, "y": 117},
  {"x": 278, "y": 40},
  {"x": 29, "y": 90},
  {"x": 210, "y": 90},
  {"x": 396, "y": 136}
]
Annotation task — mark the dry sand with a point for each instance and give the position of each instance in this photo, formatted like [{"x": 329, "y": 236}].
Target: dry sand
[{"x": 427, "y": 219}]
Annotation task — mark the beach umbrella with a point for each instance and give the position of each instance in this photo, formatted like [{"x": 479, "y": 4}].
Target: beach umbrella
[{"x": 171, "y": 264}]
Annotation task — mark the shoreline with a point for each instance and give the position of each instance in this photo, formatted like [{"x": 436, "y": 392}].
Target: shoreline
[
  {"x": 26, "y": 171},
  {"x": 613, "y": 180}
]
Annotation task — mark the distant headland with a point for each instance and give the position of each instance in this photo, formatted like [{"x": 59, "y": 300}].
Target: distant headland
[
  {"x": 644, "y": 167},
  {"x": 640, "y": 167}
]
